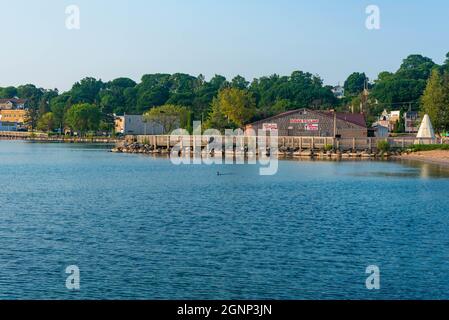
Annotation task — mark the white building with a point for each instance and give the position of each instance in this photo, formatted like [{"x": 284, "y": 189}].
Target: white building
[
  {"x": 339, "y": 92},
  {"x": 134, "y": 125}
]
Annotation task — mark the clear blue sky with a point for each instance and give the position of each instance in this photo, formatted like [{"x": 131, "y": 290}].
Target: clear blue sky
[{"x": 229, "y": 37}]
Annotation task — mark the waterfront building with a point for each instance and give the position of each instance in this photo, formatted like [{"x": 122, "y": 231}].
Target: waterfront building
[
  {"x": 381, "y": 131},
  {"x": 12, "y": 114},
  {"x": 315, "y": 123},
  {"x": 411, "y": 121},
  {"x": 8, "y": 126},
  {"x": 135, "y": 125},
  {"x": 388, "y": 120}
]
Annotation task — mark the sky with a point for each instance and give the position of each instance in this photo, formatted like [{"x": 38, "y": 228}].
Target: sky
[{"x": 252, "y": 38}]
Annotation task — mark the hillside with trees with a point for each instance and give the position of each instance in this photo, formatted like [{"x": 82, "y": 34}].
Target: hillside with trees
[{"x": 91, "y": 103}]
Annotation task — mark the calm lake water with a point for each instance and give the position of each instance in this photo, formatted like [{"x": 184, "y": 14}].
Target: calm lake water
[{"x": 139, "y": 227}]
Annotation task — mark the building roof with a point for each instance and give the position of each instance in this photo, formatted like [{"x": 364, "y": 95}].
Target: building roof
[
  {"x": 354, "y": 118},
  {"x": 14, "y": 101}
]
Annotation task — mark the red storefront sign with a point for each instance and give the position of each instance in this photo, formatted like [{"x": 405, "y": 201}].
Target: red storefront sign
[
  {"x": 270, "y": 126},
  {"x": 311, "y": 127},
  {"x": 304, "y": 121}
]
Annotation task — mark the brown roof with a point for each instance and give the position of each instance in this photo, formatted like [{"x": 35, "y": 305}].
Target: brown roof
[
  {"x": 354, "y": 118},
  {"x": 15, "y": 101}
]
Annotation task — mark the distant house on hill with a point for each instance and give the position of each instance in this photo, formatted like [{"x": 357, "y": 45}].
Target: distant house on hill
[
  {"x": 315, "y": 123},
  {"x": 339, "y": 92},
  {"x": 13, "y": 104}
]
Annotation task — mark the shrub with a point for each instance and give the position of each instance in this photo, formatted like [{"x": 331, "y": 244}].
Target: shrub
[
  {"x": 383, "y": 146},
  {"x": 328, "y": 147}
]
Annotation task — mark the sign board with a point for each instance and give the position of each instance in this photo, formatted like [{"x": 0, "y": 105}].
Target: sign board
[
  {"x": 270, "y": 126},
  {"x": 304, "y": 121},
  {"x": 311, "y": 127}
]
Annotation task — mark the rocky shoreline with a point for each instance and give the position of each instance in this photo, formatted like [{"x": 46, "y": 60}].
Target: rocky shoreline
[{"x": 141, "y": 148}]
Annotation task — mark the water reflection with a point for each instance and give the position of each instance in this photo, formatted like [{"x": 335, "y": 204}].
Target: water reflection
[
  {"x": 409, "y": 169},
  {"x": 428, "y": 170}
]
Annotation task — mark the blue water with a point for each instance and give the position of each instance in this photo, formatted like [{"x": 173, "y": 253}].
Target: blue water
[{"x": 139, "y": 227}]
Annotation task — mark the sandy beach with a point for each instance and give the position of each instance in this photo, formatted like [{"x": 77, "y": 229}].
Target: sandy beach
[{"x": 440, "y": 157}]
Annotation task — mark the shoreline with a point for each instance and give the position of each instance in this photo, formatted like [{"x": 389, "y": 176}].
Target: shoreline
[
  {"x": 96, "y": 140},
  {"x": 437, "y": 157}
]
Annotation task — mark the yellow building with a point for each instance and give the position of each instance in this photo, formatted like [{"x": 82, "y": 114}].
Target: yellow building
[{"x": 13, "y": 116}]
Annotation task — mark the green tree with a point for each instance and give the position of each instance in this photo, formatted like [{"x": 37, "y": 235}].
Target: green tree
[
  {"x": 435, "y": 100},
  {"x": 86, "y": 91},
  {"x": 33, "y": 95},
  {"x": 44, "y": 102},
  {"x": 216, "y": 118},
  {"x": 239, "y": 106},
  {"x": 46, "y": 122},
  {"x": 8, "y": 92},
  {"x": 114, "y": 98},
  {"x": 170, "y": 117},
  {"x": 355, "y": 84},
  {"x": 407, "y": 84},
  {"x": 83, "y": 118},
  {"x": 31, "y": 118},
  {"x": 58, "y": 106},
  {"x": 239, "y": 82}
]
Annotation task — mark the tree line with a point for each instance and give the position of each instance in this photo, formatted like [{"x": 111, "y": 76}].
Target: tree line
[{"x": 419, "y": 84}]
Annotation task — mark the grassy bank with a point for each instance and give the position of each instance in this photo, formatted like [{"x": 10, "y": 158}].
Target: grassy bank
[{"x": 429, "y": 147}]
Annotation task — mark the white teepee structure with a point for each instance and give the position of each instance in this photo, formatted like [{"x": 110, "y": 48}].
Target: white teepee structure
[{"x": 426, "y": 129}]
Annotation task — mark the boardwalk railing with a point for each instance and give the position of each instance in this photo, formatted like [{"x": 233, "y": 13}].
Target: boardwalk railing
[
  {"x": 36, "y": 136},
  {"x": 296, "y": 143}
]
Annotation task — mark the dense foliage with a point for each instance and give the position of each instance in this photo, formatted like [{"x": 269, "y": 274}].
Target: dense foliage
[{"x": 91, "y": 103}]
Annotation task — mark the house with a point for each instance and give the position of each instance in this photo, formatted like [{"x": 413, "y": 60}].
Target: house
[
  {"x": 315, "y": 123},
  {"x": 13, "y": 116},
  {"x": 395, "y": 116},
  {"x": 412, "y": 120},
  {"x": 8, "y": 126},
  {"x": 12, "y": 113},
  {"x": 380, "y": 131},
  {"x": 135, "y": 125},
  {"x": 388, "y": 120},
  {"x": 339, "y": 92},
  {"x": 13, "y": 104}
]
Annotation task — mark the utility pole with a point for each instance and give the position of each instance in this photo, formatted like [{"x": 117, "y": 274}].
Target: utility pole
[{"x": 335, "y": 124}]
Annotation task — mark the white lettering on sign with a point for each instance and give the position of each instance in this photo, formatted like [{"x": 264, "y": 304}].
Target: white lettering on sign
[
  {"x": 301, "y": 121},
  {"x": 270, "y": 126},
  {"x": 311, "y": 127}
]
